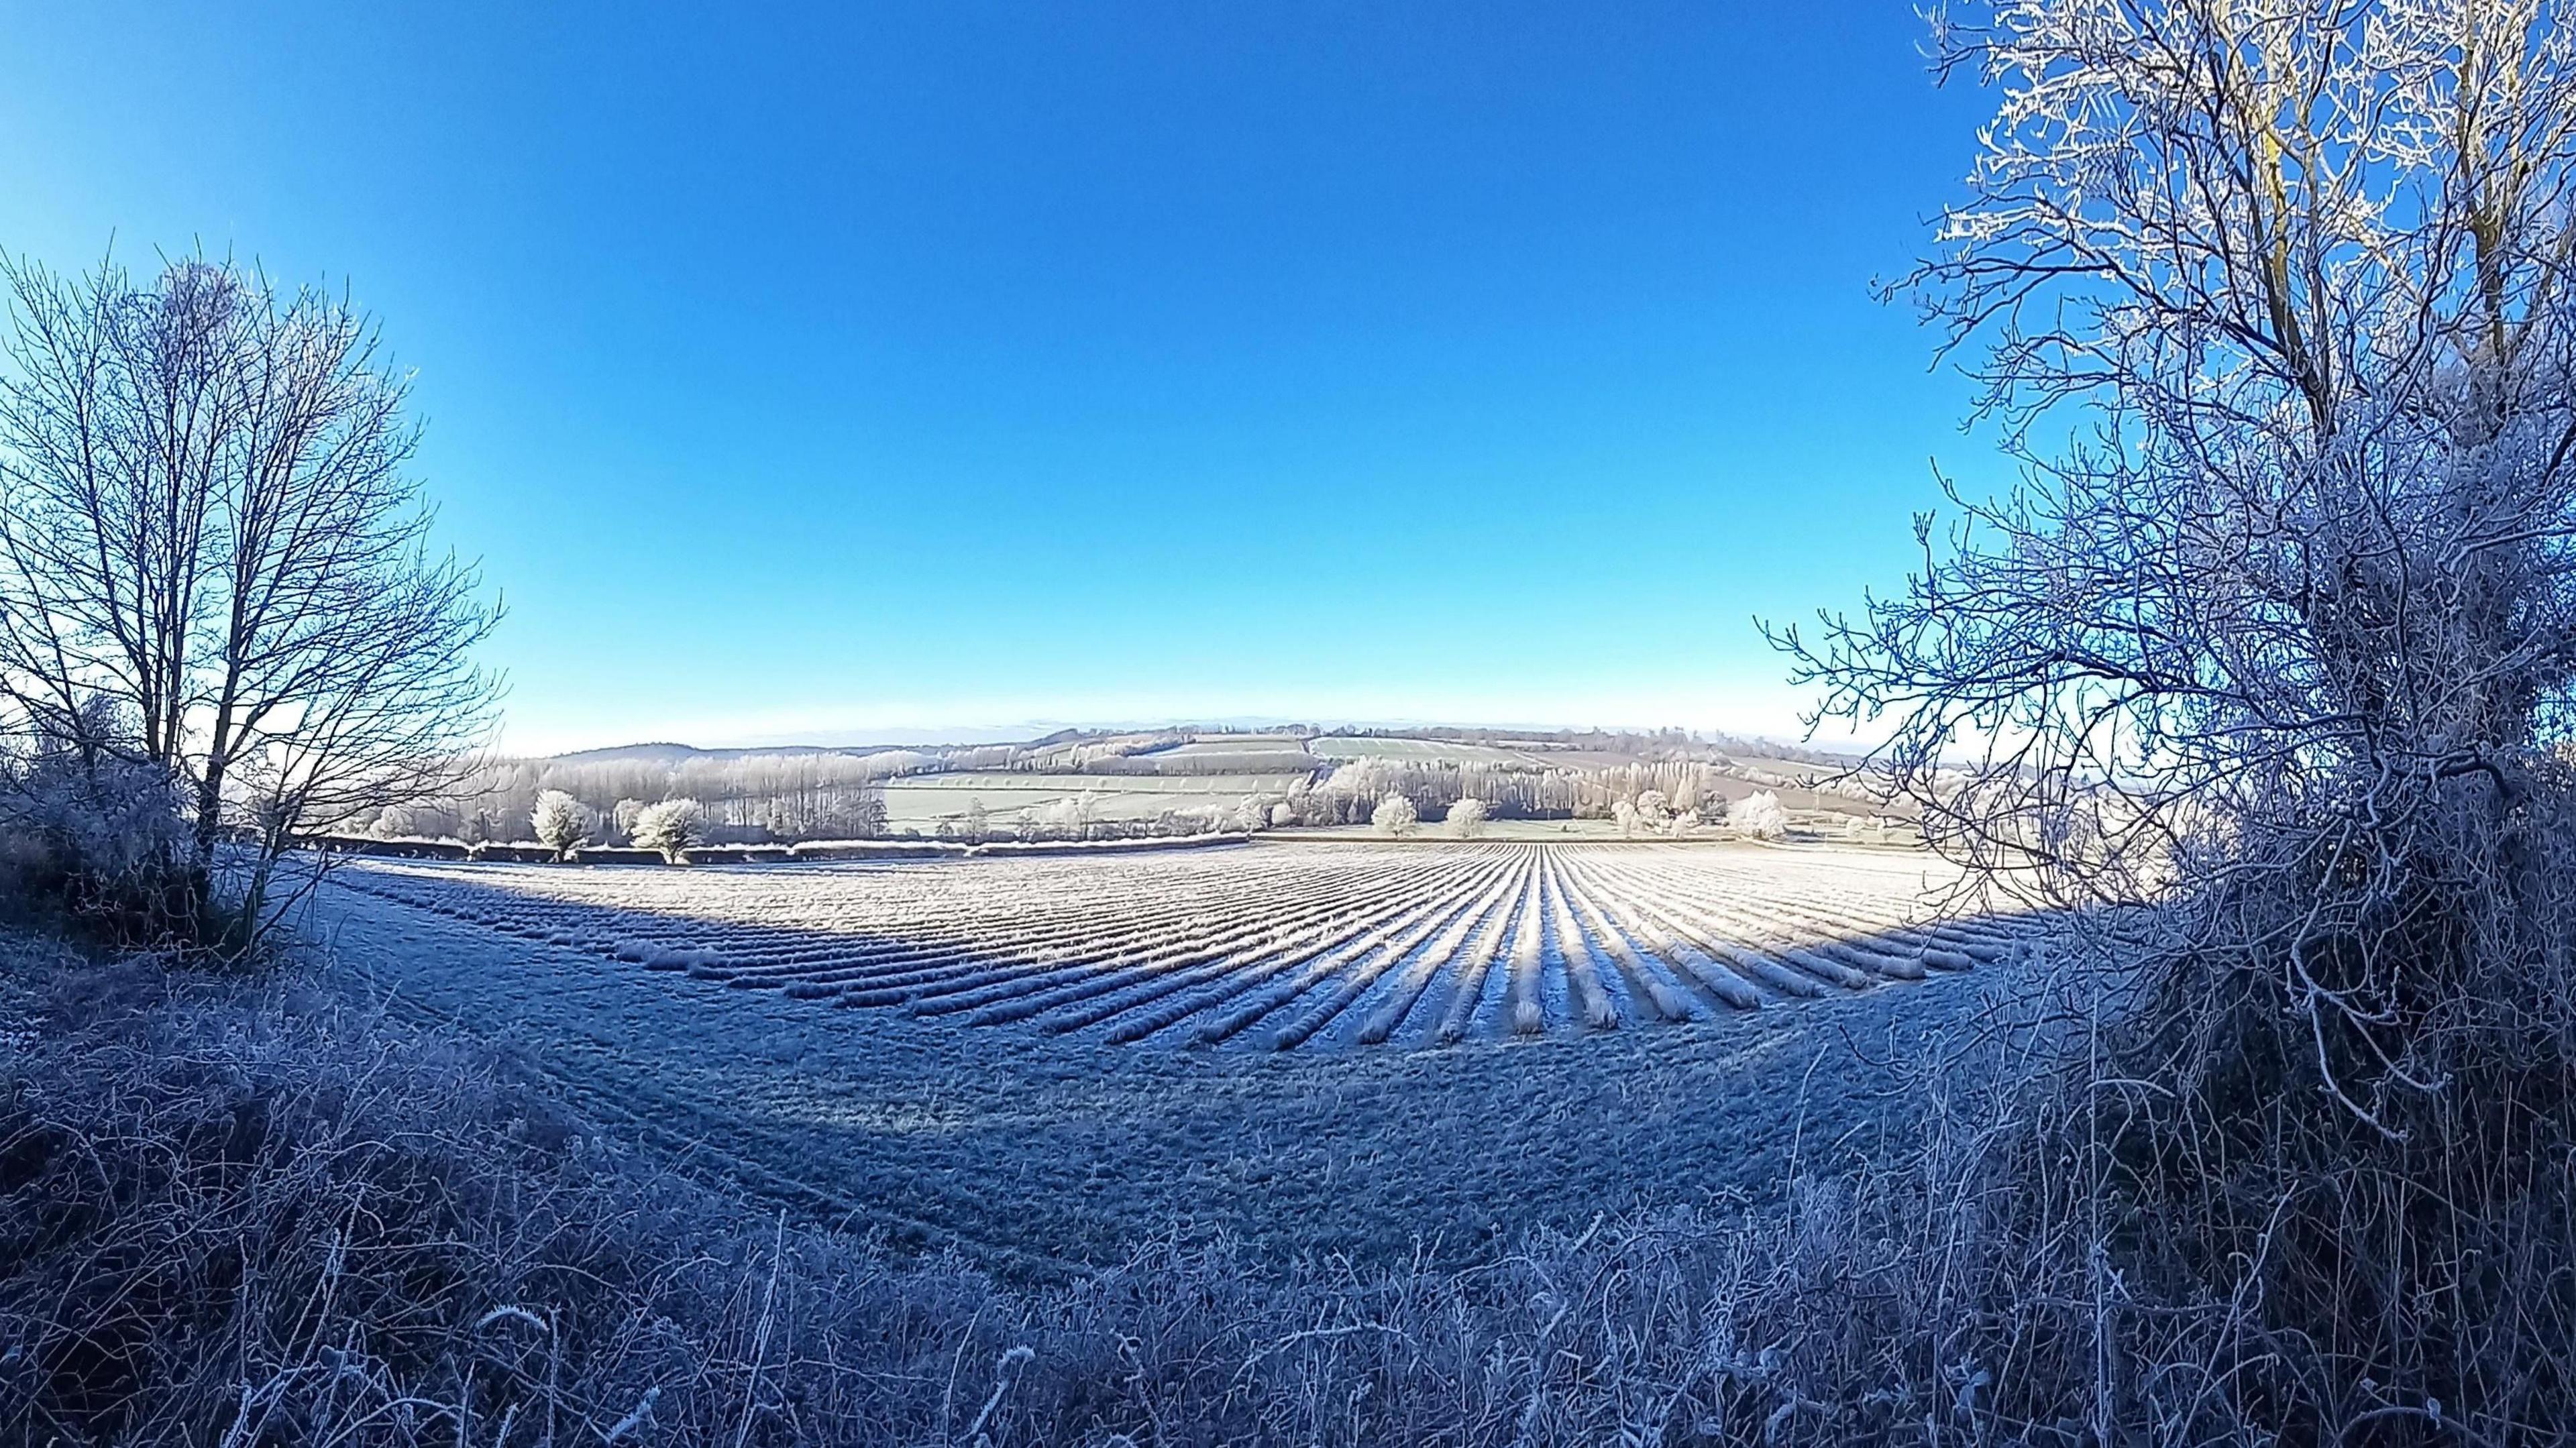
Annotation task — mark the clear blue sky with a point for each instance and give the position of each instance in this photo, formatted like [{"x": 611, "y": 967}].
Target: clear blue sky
[{"x": 815, "y": 372}]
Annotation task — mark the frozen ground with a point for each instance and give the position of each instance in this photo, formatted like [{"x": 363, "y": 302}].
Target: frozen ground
[
  {"x": 923, "y": 801},
  {"x": 1340, "y": 747},
  {"x": 1033, "y": 1148}
]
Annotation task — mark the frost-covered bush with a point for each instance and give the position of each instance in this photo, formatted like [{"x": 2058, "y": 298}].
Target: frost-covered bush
[
  {"x": 94, "y": 835},
  {"x": 1682, "y": 826},
  {"x": 563, "y": 823},
  {"x": 1395, "y": 815},
  {"x": 1626, "y": 814},
  {"x": 110, "y": 817},
  {"x": 670, "y": 827},
  {"x": 1467, "y": 818},
  {"x": 1760, "y": 817},
  {"x": 1282, "y": 815},
  {"x": 1654, "y": 809}
]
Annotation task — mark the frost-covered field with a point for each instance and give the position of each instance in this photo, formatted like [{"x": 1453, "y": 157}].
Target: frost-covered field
[
  {"x": 1282, "y": 947},
  {"x": 924, "y": 801},
  {"x": 1036, "y": 1060},
  {"x": 1253, "y": 753},
  {"x": 1371, "y": 746}
]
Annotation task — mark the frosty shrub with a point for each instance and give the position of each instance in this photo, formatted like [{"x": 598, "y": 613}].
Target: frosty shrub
[
  {"x": 1760, "y": 817},
  {"x": 1395, "y": 815},
  {"x": 1626, "y": 814},
  {"x": 1282, "y": 815},
  {"x": 670, "y": 827},
  {"x": 1654, "y": 809},
  {"x": 95, "y": 836},
  {"x": 1467, "y": 818},
  {"x": 562, "y": 822}
]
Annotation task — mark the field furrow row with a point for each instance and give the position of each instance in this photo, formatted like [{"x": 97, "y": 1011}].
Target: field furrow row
[{"x": 1282, "y": 946}]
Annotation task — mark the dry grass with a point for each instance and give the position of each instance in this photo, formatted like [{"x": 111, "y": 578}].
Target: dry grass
[
  {"x": 243, "y": 1213},
  {"x": 236, "y": 1213}
]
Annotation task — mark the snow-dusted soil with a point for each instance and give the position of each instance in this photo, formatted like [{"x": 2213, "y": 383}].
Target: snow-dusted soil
[{"x": 1312, "y": 1047}]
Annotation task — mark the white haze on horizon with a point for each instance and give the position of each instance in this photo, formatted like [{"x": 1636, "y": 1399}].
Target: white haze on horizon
[{"x": 1763, "y": 711}]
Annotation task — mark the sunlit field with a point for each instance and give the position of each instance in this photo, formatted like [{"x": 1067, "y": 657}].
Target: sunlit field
[
  {"x": 1280, "y": 946},
  {"x": 1360, "y": 1047}
]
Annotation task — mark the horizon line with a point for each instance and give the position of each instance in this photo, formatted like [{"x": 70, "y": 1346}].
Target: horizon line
[{"x": 1027, "y": 730}]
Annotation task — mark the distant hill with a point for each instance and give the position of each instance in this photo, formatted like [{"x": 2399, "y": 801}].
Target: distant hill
[
  {"x": 1596, "y": 745},
  {"x": 664, "y": 753}
]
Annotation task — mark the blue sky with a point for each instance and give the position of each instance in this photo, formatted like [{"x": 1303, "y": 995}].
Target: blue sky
[{"x": 838, "y": 371}]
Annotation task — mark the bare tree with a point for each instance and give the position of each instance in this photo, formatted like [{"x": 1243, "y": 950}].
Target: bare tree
[
  {"x": 208, "y": 519},
  {"x": 2272, "y": 301},
  {"x": 2276, "y": 308}
]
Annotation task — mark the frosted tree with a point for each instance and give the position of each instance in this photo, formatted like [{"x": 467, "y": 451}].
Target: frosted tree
[
  {"x": 1467, "y": 818},
  {"x": 2275, "y": 303},
  {"x": 672, "y": 827},
  {"x": 623, "y": 817},
  {"x": 1759, "y": 817},
  {"x": 1625, "y": 813},
  {"x": 562, "y": 823},
  {"x": 208, "y": 517},
  {"x": 1395, "y": 815},
  {"x": 1070, "y": 817},
  {"x": 1654, "y": 809},
  {"x": 2276, "y": 307}
]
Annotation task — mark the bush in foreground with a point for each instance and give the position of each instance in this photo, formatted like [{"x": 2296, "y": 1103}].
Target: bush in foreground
[{"x": 93, "y": 839}]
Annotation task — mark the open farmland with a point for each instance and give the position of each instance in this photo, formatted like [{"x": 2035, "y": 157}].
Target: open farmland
[
  {"x": 1241, "y": 753},
  {"x": 1283, "y": 947},
  {"x": 1428, "y": 751},
  {"x": 922, "y": 802},
  {"x": 1033, "y": 1061}
]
